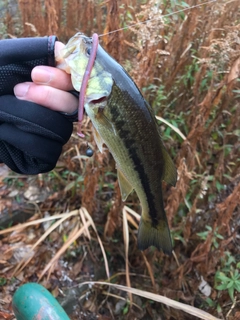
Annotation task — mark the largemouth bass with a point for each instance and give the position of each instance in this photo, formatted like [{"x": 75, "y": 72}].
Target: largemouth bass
[{"x": 125, "y": 123}]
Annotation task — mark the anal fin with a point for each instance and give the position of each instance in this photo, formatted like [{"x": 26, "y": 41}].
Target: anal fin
[{"x": 125, "y": 186}]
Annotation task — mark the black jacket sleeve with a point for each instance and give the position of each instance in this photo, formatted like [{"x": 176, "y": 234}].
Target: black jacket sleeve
[
  {"x": 31, "y": 136},
  {"x": 19, "y": 56}
]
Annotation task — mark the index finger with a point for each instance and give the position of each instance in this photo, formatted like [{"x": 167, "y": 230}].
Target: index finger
[{"x": 52, "y": 77}]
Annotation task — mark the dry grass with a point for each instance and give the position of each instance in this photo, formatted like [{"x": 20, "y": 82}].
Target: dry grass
[
  {"x": 188, "y": 66},
  {"x": 151, "y": 296}
]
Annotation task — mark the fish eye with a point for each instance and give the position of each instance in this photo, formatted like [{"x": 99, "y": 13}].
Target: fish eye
[{"x": 88, "y": 51}]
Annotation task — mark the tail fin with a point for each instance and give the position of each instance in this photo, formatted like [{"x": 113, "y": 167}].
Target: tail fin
[{"x": 157, "y": 236}]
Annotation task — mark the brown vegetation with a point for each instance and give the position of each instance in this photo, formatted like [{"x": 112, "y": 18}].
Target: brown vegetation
[{"x": 188, "y": 66}]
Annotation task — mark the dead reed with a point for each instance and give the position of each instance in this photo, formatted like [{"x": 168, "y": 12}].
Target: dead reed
[{"x": 188, "y": 66}]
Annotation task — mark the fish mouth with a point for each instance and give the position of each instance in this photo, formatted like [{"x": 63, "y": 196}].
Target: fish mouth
[
  {"x": 96, "y": 99},
  {"x": 99, "y": 100}
]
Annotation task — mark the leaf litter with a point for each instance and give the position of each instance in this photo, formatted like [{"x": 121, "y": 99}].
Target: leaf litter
[{"x": 190, "y": 64}]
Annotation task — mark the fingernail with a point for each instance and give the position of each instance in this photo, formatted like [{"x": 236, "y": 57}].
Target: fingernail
[
  {"x": 21, "y": 89},
  {"x": 41, "y": 75}
]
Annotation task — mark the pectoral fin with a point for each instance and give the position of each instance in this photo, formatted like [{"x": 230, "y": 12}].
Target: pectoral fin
[
  {"x": 125, "y": 186},
  {"x": 102, "y": 118},
  {"x": 98, "y": 139},
  {"x": 169, "y": 172}
]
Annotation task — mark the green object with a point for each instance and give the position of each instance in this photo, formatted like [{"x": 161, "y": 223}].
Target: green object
[{"x": 33, "y": 302}]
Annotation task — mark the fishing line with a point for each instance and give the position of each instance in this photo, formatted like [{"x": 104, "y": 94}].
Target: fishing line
[{"x": 149, "y": 20}]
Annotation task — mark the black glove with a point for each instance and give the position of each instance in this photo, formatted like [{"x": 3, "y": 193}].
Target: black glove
[{"x": 31, "y": 136}]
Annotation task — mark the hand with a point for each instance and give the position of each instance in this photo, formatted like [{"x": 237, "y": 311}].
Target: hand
[
  {"x": 31, "y": 135},
  {"x": 49, "y": 88}
]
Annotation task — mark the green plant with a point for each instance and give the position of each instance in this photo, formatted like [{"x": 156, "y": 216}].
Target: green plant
[
  {"x": 188, "y": 77},
  {"x": 177, "y": 235},
  {"x": 213, "y": 304},
  {"x": 228, "y": 277},
  {"x": 3, "y": 281},
  {"x": 237, "y": 91},
  {"x": 229, "y": 282},
  {"x": 215, "y": 236},
  {"x": 13, "y": 181},
  {"x": 156, "y": 96},
  {"x": 126, "y": 308}
]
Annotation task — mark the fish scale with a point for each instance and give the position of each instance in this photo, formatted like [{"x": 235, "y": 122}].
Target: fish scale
[{"x": 146, "y": 157}]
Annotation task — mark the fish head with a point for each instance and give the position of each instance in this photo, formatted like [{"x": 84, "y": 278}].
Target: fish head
[{"x": 74, "y": 59}]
